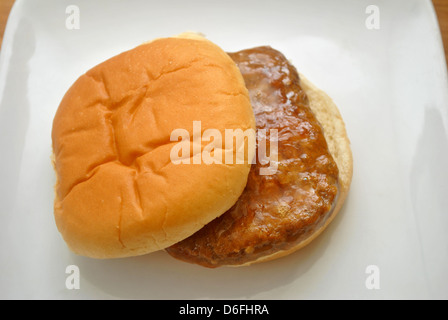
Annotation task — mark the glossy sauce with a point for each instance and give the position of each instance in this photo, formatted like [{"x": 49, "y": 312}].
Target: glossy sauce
[{"x": 276, "y": 211}]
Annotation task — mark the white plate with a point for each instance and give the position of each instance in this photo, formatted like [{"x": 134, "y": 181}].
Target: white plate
[{"x": 389, "y": 83}]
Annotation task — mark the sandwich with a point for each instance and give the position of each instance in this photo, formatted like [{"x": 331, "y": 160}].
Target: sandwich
[{"x": 218, "y": 158}]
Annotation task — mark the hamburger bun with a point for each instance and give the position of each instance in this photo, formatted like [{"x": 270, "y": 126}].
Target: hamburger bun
[{"x": 118, "y": 193}]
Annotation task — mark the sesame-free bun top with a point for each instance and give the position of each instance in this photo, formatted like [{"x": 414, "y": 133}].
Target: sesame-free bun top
[{"x": 118, "y": 193}]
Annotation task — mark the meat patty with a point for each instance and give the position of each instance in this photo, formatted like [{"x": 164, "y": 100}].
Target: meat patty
[{"x": 275, "y": 212}]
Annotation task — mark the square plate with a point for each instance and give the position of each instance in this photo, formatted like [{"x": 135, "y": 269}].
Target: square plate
[{"x": 384, "y": 67}]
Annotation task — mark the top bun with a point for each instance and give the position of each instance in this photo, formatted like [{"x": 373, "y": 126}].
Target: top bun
[{"x": 118, "y": 193}]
